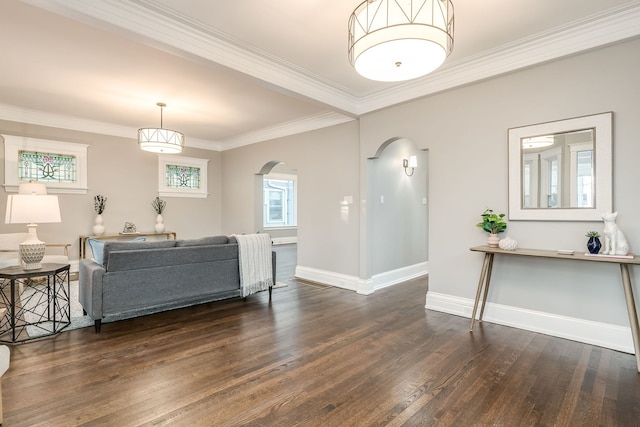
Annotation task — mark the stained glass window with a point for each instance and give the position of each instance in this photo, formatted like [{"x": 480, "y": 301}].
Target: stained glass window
[
  {"x": 46, "y": 167},
  {"x": 182, "y": 176}
]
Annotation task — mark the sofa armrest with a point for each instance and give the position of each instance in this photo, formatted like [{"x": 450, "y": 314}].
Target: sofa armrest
[{"x": 90, "y": 278}]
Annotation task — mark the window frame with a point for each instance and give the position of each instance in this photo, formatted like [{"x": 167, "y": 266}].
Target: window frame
[
  {"x": 293, "y": 211},
  {"x": 192, "y": 162},
  {"x": 14, "y": 144}
]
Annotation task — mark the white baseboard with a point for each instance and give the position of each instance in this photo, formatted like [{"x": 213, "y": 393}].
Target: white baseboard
[
  {"x": 338, "y": 280},
  {"x": 596, "y": 333},
  {"x": 362, "y": 286},
  {"x": 393, "y": 277}
]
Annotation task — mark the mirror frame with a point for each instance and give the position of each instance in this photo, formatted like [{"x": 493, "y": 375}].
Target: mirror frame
[{"x": 602, "y": 125}]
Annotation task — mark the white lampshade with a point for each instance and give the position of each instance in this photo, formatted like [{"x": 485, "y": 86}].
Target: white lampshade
[
  {"x": 160, "y": 140},
  {"x": 28, "y": 209},
  {"x": 164, "y": 141},
  {"x": 537, "y": 142},
  {"x": 413, "y": 162},
  {"x": 30, "y": 206},
  {"x": 395, "y": 40}
]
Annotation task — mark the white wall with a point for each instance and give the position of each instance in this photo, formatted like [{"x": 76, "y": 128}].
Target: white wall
[{"x": 465, "y": 131}]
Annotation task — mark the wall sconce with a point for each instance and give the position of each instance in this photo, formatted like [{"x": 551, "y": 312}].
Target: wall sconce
[{"x": 411, "y": 163}]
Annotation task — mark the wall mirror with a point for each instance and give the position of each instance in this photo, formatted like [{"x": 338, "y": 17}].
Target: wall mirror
[{"x": 561, "y": 171}]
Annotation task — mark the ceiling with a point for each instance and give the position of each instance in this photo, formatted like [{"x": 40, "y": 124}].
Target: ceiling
[{"x": 239, "y": 72}]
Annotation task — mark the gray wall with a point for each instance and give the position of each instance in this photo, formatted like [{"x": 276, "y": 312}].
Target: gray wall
[
  {"x": 327, "y": 165},
  {"x": 128, "y": 177},
  {"x": 396, "y": 213},
  {"x": 465, "y": 131}
]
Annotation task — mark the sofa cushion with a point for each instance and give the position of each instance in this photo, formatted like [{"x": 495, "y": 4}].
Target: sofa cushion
[
  {"x": 204, "y": 241},
  {"x": 97, "y": 247},
  {"x": 123, "y": 246}
]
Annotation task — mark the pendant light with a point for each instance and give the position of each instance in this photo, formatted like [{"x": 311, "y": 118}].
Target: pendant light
[
  {"x": 160, "y": 140},
  {"x": 396, "y": 40}
]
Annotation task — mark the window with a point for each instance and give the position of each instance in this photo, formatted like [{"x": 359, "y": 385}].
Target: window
[
  {"x": 551, "y": 178},
  {"x": 584, "y": 161},
  {"x": 46, "y": 167},
  {"x": 182, "y": 176},
  {"x": 61, "y": 166},
  {"x": 582, "y": 176},
  {"x": 279, "y": 196}
]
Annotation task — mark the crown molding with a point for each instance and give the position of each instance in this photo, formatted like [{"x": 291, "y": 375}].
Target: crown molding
[
  {"x": 160, "y": 25},
  {"x": 39, "y": 118},
  {"x": 612, "y": 26},
  {"x": 163, "y": 28},
  {"x": 287, "y": 128}
]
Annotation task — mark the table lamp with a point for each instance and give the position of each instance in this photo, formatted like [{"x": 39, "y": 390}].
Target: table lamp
[{"x": 30, "y": 206}]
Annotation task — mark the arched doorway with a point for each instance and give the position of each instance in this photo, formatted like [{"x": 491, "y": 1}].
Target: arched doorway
[
  {"x": 276, "y": 212},
  {"x": 397, "y": 212}
]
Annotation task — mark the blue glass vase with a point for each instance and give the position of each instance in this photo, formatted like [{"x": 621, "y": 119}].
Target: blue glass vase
[{"x": 594, "y": 245}]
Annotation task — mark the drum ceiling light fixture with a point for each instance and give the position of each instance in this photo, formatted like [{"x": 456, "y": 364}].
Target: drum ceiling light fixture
[
  {"x": 160, "y": 140},
  {"x": 396, "y": 40}
]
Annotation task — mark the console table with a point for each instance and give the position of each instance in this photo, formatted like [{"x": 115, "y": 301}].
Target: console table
[
  {"x": 34, "y": 308},
  {"x": 487, "y": 265},
  {"x": 83, "y": 239}
]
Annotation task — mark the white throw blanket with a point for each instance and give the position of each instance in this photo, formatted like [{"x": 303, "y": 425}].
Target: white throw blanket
[{"x": 254, "y": 253}]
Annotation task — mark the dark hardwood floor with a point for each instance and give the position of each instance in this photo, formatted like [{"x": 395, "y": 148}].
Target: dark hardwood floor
[{"x": 317, "y": 357}]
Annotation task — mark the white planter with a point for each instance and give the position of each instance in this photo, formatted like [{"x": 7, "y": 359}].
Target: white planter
[
  {"x": 159, "y": 224},
  {"x": 98, "y": 228}
]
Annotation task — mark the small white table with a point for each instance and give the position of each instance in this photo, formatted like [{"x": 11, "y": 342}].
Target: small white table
[{"x": 487, "y": 265}]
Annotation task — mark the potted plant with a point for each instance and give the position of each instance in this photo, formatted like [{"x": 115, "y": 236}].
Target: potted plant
[
  {"x": 99, "y": 204},
  {"x": 593, "y": 244},
  {"x": 493, "y": 224},
  {"x": 158, "y": 206}
]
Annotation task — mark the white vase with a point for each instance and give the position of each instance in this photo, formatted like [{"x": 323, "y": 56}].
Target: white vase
[
  {"x": 98, "y": 228},
  {"x": 159, "y": 224},
  {"x": 493, "y": 241}
]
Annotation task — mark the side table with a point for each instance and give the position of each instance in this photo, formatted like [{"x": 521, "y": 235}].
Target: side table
[{"x": 34, "y": 303}]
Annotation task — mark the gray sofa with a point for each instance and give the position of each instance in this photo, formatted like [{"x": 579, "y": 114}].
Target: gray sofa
[{"x": 138, "y": 278}]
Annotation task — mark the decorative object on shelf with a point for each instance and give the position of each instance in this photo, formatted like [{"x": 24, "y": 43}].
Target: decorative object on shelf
[
  {"x": 31, "y": 205},
  {"x": 99, "y": 204},
  {"x": 614, "y": 241},
  {"x": 593, "y": 244},
  {"x": 159, "y": 205},
  {"x": 411, "y": 162},
  {"x": 129, "y": 228},
  {"x": 508, "y": 244},
  {"x": 160, "y": 140},
  {"x": 392, "y": 40},
  {"x": 493, "y": 224}
]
